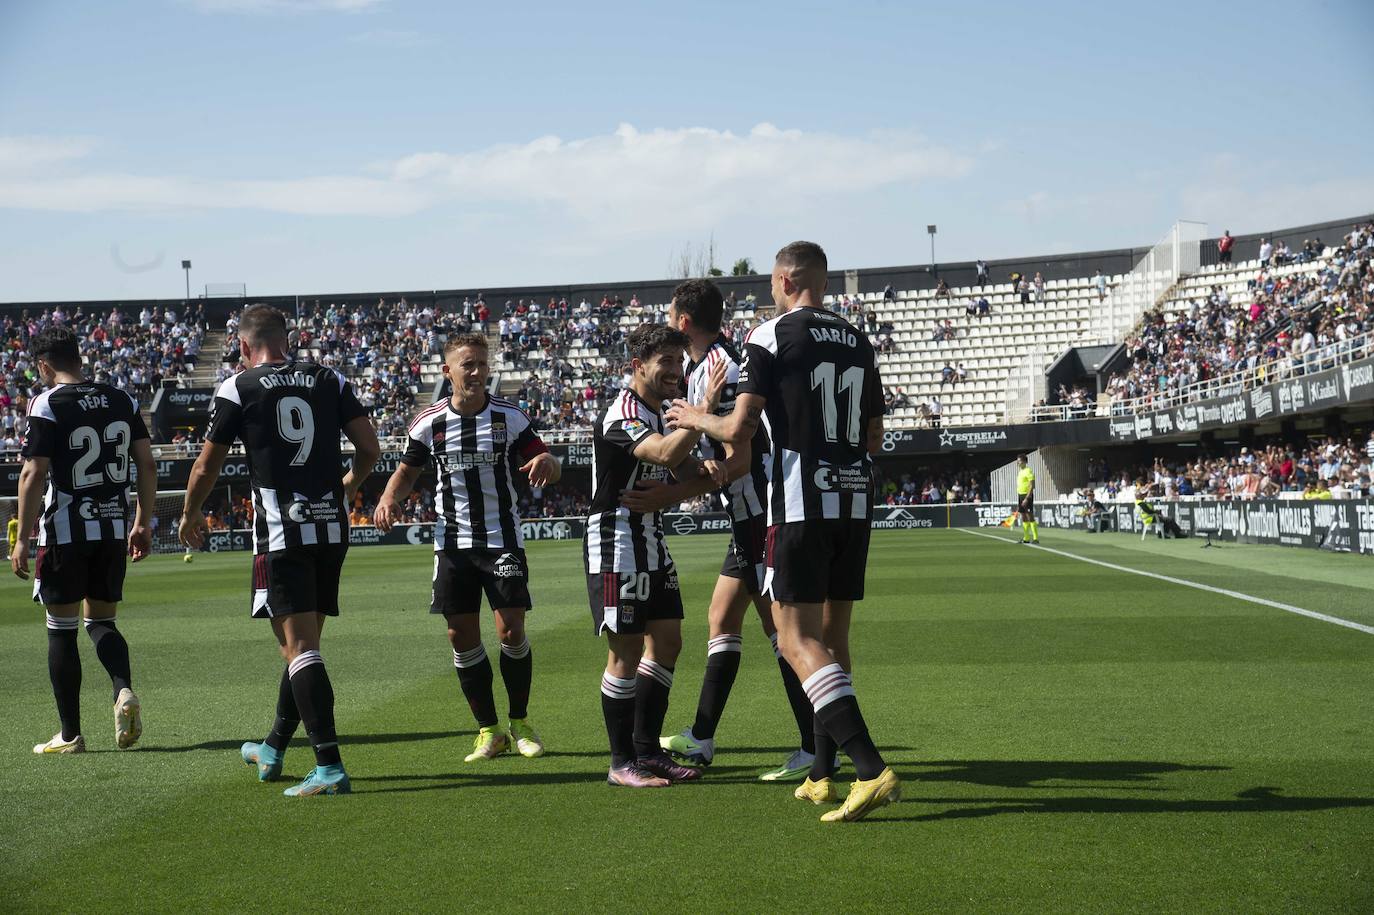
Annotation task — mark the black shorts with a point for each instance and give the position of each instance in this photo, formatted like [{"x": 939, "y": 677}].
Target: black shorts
[
  {"x": 744, "y": 557},
  {"x": 624, "y": 602},
  {"x": 809, "y": 562},
  {"x": 462, "y": 576},
  {"x": 298, "y": 579},
  {"x": 68, "y": 573},
  {"x": 1026, "y": 506}
]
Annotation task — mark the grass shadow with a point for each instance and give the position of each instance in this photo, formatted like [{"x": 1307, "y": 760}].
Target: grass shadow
[
  {"x": 352, "y": 739},
  {"x": 1008, "y": 773},
  {"x": 1260, "y": 799}
]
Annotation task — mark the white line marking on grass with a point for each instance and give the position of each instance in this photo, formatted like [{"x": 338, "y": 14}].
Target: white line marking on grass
[{"x": 1191, "y": 584}]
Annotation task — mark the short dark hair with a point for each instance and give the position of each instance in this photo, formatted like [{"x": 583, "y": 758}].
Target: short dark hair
[
  {"x": 458, "y": 341},
  {"x": 58, "y": 347},
  {"x": 262, "y": 324},
  {"x": 648, "y": 340},
  {"x": 701, "y": 301},
  {"x": 803, "y": 257}
]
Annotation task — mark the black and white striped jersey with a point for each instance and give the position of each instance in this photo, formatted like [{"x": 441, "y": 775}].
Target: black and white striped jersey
[
  {"x": 475, "y": 459},
  {"x": 85, "y": 431},
  {"x": 819, "y": 375},
  {"x": 289, "y": 416},
  {"x": 744, "y": 498},
  {"x": 617, "y": 539}
]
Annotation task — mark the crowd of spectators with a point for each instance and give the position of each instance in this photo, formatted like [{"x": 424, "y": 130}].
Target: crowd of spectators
[
  {"x": 134, "y": 352},
  {"x": 1317, "y": 468},
  {"x": 927, "y": 486},
  {"x": 1281, "y": 326}
]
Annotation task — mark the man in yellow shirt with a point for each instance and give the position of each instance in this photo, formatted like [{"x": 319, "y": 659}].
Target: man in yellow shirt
[
  {"x": 12, "y": 530},
  {"x": 1025, "y": 500}
]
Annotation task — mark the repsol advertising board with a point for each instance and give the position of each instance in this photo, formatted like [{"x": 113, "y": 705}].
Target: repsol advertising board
[{"x": 1345, "y": 525}]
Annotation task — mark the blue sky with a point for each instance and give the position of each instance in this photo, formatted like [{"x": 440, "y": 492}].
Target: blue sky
[{"x": 338, "y": 145}]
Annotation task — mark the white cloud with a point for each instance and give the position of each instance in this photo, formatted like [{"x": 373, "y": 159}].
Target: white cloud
[
  {"x": 284, "y": 6},
  {"x": 616, "y": 183},
  {"x": 1225, "y": 205},
  {"x": 24, "y": 154}
]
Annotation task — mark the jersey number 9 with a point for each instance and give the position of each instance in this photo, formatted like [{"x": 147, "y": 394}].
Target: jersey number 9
[{"x": 296, "y": 423}]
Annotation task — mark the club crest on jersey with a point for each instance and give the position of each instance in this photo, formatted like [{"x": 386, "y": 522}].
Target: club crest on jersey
[{"x": 498, "y": 431}]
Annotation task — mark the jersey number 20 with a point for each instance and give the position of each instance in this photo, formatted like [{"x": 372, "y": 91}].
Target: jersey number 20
[{"x": 852, "y": 381}]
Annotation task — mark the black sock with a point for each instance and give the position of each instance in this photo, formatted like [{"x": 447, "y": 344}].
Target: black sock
[
  {"x": 64, "y": 669},
  {"x": 112, "y": 651},
  {"x": 802, "y": 712},
  {"x": 823, "y": 765},
  {"x": 288, "y": 716},
  {"x": 315, "y": 699},
  {"x": 475, "y": 677},
  {"x": 653, "y": 682},
  {"x": 837, "y": 713},
  {"x": 517, "y": 671},
  {"x": 618, "y": 707},
  {"x": 722, "y": 665}
]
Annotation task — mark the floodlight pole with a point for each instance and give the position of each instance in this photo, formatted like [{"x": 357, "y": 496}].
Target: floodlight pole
[
  {"x": 931, "y": 230},
  {"x": 186, "y": 265}
]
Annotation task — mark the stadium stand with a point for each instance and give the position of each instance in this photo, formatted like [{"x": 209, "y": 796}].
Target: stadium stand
[
  {"x": 988, "y": 331},
  {"x": 1257, "y": 318},
  {"x": 134, "y": 352}
]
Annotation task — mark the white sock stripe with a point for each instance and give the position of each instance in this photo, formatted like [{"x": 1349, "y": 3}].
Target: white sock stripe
[
  {"x": 722, "y": 643},
  {"x": 651, "y": 668},
  {"x": 516, "y": 652},
  {"x": 470, "y": 658},
  {"x": 108, "y": 619},
  {"x": 616, "y": 688},
  {"x": 302, "y": 661},
  {"x": 63, "y": 622},
  {"x": 826, "y": 685}
]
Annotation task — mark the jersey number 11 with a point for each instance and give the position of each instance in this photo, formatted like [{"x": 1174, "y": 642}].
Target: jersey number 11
[{"x": 852, "y": 382}]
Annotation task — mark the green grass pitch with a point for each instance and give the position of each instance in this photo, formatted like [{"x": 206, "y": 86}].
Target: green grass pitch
[{"x": 1071, "y": 738}]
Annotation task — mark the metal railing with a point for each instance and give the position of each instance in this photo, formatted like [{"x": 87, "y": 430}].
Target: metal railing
[{"x": 1292, "y": 365}]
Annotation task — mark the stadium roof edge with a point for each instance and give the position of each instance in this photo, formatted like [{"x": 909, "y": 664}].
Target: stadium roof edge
[{"x": 908, "y": 276}]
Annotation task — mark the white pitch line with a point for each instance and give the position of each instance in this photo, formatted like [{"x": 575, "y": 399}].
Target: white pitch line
[{"x": 1191, "y": 584}]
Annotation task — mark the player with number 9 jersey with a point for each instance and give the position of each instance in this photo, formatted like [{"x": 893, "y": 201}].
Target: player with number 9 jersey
[{"x": 289, "y": 416}]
